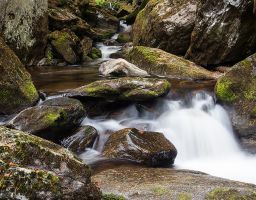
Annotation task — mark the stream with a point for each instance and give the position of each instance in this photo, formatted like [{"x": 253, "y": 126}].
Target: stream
[{"x": 189, "y": 117}]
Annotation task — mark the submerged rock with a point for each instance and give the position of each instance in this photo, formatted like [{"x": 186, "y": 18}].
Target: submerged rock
[
  {"x": 120, "y": 67},
  {"x": 222, "y": 29},
  {"x": 159, "y": 62},
  {"x": 33, "y": 168},
  {"x": 160, "y": 184},
  {"x": 52, "y": 120},
  {"x": 127, "y": 89},
  {"x": 83, "y": 139},
  {"x": 238, "y": 88},
  {"x": 149, "y": 148},
  {"x": 17, "y": 90},
  {"x": 24, "y": 26},
  {"x": 166, "y": 24}
]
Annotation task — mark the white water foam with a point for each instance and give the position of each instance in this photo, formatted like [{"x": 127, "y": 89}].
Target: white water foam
[{"x": 201, "y": 132}]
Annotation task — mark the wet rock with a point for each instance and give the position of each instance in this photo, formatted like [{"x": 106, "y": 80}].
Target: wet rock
[
  {"x": 33, "y": 168},
  {"x": 127, "y": 89},
  {"x": 238, "y": 88},
  {"x": 24, "y": 26},
  {"x": 52, "y": 120},
  {"x": 166, "y": 24},
  {"x": 120, "y": 67},
  {"x": 149, "y": 148},
  {"x": 123, "y": 37},
  {"x": 222, "y": 29},
  {"x": 159, "y": 62},
  {"x": 66, "y": 44},
  {"x": 159, "y": 184},
  {"x": 17, "y": 90},
  {"x": 86, "y": 46},
  {"x": 95, "y": 53},
  {"x": 83, "y": 139}
]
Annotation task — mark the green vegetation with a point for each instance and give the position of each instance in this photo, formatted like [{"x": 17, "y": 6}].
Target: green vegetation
[{"x": 112, "y": 197}]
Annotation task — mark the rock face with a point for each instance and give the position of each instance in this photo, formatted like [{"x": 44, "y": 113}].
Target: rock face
[
  {"x": 166, "y": 24},
  {"x": 120, "y": 67},
  {"x": 222, "y": 29},
  {"x": 33, "y": 168},
  {"x": 24, "y": 26},
  {"x": 52, "y": 119},
  {"x": 238, "y": 88},
  {"x": 127, "y": 89},
  {"x": 16, "y": 88},
  {"x": 139, "y": 183},
  {"x": 83, "y": 139},
  {"x": 158, "y": 62},
  {"x": 149, "y": 148}
]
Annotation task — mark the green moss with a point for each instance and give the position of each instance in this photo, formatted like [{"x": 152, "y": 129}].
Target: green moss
[
  {"x": 51, "y": 118},
  {"x": 123, "y": 38},
  {"x": 159, "y": 191},
  {"x": 30, "y": 91},
  {"x": 184, "y": 196},
  {"x": 95, "y": 53},
  {"x": 253, "y": 113},
  {"x": 49, "y": 55},
  {"x": 224, "y": 91},
  {"x": 112, "y": 197},
  {"x": 149, "y": 55}
]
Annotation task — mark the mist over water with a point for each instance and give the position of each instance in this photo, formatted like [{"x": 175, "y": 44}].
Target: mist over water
[{"x": 199, "y": 128}]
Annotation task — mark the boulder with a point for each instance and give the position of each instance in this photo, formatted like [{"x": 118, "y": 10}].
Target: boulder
[
  {"x": 123, "y": 37},
  {"x": 120, "y": 67},
  {"x": 95, "y": 53},
  {"x": 238, "y": 88},
  {"x": 149, "y": 148},
  {"x": 83, "y": 139},
  {"x": 126, "y": 89},
  {"x": 66, "y": 44},
  {"x": 17, "y": 90},
  {"x": 159, "y": 62},
  {"x": 24, "y": 26},
  {"x": 52, "y": 120},
  {"x": 33, "y": 168},
  {"x": 138, "y": 183},
  {"x": 166, "y": 24},
  {"x": 222, "y": 29},
  {"x": 86, "y": 47}
]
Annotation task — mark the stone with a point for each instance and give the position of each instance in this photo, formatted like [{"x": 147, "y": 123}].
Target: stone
[
  {"x": 86, "y": 47},
  {"x": 24, "y": 27},
  {"x": 83, "y": 139},
  {"x": 123, "y": 37},
  {"x": 17, "y": 90},
  {"x": 141, "y": 183},
  {"x": 160, "y": 63},
  {"x": 221, "y": 30},
  {"x": 124, "y": 89},
  {"x": 33, "y": 168},
  {"x": 166, "y": 24},
  {"x": 52, "y": 120},
  {"x": 149, "y": 148},
  {"x": 66, "y": 44},
  {"x": 120, "y": 67},
  {"x": 238, "y": 89},
  {"x": 95, "y": 53}
]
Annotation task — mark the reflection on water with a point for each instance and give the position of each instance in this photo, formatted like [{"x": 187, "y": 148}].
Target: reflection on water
[{"x": 54, "y": 79}]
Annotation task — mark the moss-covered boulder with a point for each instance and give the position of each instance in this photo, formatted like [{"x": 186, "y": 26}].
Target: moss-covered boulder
[
  {"x": 127, "y": 89},
  {"x": 33, "y": 168},
  {"x": 159, "y": 62},
  {"x": 238, "y": 88},
  {"x": 136, "y": 182},
  {"x": 95, "y": 53},
  {"x": 66, "y": 44},
  {"x": 222, "y": 29},
  {"x": 52, "y": 120},
  {"x": 86, "y": 47},
  {"x": 123, "y": 37},
  {"x": 149, "y": 148},
  {"x": 16, "y": 87},
  {"x": 166, "y": 24},
  {"x": 24, "y": 26},
  {"x": 83, "y": 139}
]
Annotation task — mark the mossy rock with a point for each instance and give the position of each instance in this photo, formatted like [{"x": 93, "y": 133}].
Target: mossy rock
[
  {"x": 17, "y": 90},
  {"x": 227, "y": 193},
  {"x": 123, "y": 37},
  {"x": 238, "y": 88},
  {"x": 126, "y": 89},
  {"x": 95, "y": 53},
  {"x": 112, "y": 197},
  {"x": 159, "y": 62},
  {"x": 34, "y": 168},
  {"x": 149, "y": 148},
  {"x": 65, "y": 43},
  {"x": 51, "y": 120}
]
